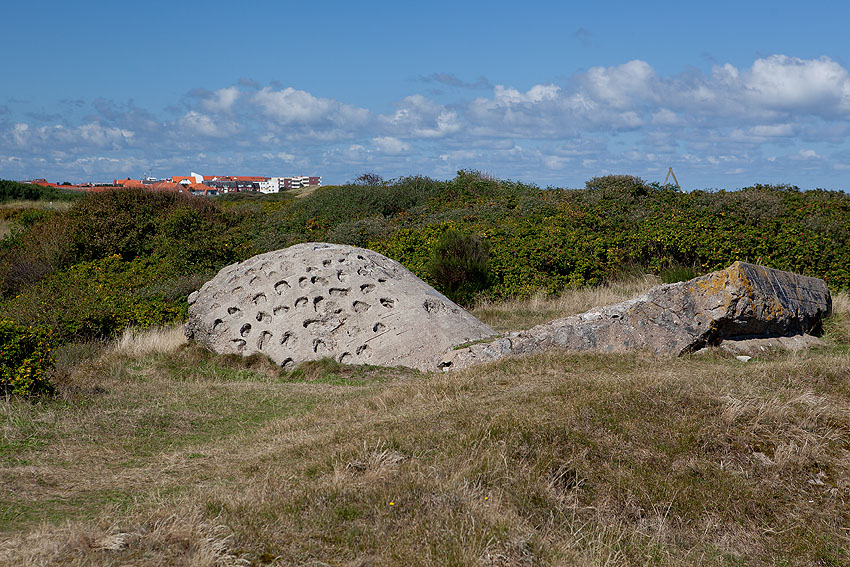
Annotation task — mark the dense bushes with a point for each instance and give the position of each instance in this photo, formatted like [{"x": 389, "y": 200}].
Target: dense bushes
[
  {"x": 131, "y": 256},
  {"x": 458, "y": 266},
  {"x": 14, "y": 191},
  {"x": 25, "y": 357},
  {"x": 99, "y": 297},
  {"x": 137, "y": 222}
]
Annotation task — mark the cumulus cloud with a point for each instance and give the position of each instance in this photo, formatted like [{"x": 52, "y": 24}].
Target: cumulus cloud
[
  {"x": 92, "y": 134},
  {"x": 420, "y": 117},
  {"x": 196, "y": 123},
  {"x": 390, "y": 145},
  {"x": 221, "y": 100},
  {"x": 290, "y": 106},
  {"x": 626, "y": 117}
]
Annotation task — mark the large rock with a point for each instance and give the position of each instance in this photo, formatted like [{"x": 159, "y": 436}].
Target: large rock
[
  {"x": 318, "y": 300},
  {"x": 742, "y": 301}
]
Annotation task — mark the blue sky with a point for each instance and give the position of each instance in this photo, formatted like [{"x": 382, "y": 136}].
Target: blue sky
[{"x": 727, "y": 93}]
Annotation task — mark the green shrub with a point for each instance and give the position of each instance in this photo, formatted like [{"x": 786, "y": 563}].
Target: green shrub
[
  {"x": 34, "y": 252},
  {"x": 614, "y": 186},
  {"x": 677, "y": 273},
  {"x": 360, "y": 232},
  {"x": 139, "y": 222},
  {"x": 458, "y": 266},
  {"x": 25, "y": 357},
  {"x": 96, "y": 299},
  {"x": 14, "y": 191}
]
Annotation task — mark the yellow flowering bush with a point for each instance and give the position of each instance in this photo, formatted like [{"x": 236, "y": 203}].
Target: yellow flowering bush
[{"x": 25, "y": 358}]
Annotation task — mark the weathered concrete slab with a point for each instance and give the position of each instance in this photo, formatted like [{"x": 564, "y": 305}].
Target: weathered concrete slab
[
  {"x": 319, "y": 300},
  {"x": 674, "y": 319}
]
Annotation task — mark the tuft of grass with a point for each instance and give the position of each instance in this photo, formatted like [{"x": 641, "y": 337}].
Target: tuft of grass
[
  {"x": 520, "y": 314},
  {"x": 155, "y": 340},
  {"x": 677, "y": 273}
]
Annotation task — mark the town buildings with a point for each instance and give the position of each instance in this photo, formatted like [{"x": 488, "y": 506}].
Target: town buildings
[{"x": 198, "y": 184}]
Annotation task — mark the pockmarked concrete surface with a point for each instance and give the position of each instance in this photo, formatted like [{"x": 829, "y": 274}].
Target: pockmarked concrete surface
[
  {"x": 318, "y": 300},
  {"x": 741, "y": 303}
]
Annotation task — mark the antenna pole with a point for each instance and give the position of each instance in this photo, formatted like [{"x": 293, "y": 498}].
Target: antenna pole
[{"x": 669, "y": 173}]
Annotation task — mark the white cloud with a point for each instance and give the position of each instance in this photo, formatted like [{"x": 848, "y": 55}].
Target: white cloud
[
  {"x": 419, "y": 117},
  {"x": 221, "y": 100},
  {"x": 619, "y": 87},
  {"x": 772, "y": 130},
  {"x": 788, "y": 83},
  {"x": 282, "y": 156},
  {"x": 197, "y": 123},
  {"x": 621, "y": 118},
  {"x": 294, "y": 107},
  {"x": 390, "y": 145}
]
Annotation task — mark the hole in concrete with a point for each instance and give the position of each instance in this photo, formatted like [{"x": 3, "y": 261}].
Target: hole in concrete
[
  {"x": 239, "y": 344},
  {"x": 236, "y": 290},
  {"x": 218, "y": 325},
  {"x": 302, "y": 282},
  {"x": 382, "y": 280},
  {"x": 235, "y": 311},
  {"x": 341, "y": 276},
  {"x": 387, "y": 302},
  {"x": 300, "y": 302},
  {"x": 430, "y": 305},
  {"x": 259, "y": 298},
  {"x": 360, "y": 306},
  {"x": 288, "y": 364},
  {"x": 345, "y": 358},
  {"x": 263, "y": 316},
  {"x": 288, "y": 339},
  {"x": 309, "y": 322},
  {"x": 316, "y": 302},
  {"x": 281, "y": 287},
  {"x": 378, "y": 327},
  {"x": 361, "y": 349},
  {"x": 254, "y": 280},
  {"x": 364, "y": 272},
  {"x": 245, "y": 330},
  {"x": 318, "y": 280},
  {"x": 264, "y": 337},
  {"x": 280, "y": 309},
  {"x": 367, "y": 287},
  {"x": 309, "y": 269},
  {"x": 326, "y": 262},
  {"x": 359, "y": 257},
  {"x": 340, "y": 260},
  {"x": 338, "y": 291},
  {"x": 319, "y": 345}
]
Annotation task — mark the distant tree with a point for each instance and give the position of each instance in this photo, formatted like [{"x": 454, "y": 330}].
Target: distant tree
[{"x": 369, "y": 178}]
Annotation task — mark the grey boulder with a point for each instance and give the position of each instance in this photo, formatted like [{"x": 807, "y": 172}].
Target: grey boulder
[
  {"x": 319, "y": 300},
  {"x": 743, "y": 301}
]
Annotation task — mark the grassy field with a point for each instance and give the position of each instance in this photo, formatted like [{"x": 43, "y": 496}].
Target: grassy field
[{"x": 159, "y": 453}]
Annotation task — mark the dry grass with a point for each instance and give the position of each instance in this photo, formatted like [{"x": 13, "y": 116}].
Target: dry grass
[
  {"x": 187, "y": 459},
  {"x": 520, "y": 314},
  {"x": 302, "y": 191},
  {"x": 157, "y": 340},
  {"x": 41, "y": 205}
]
